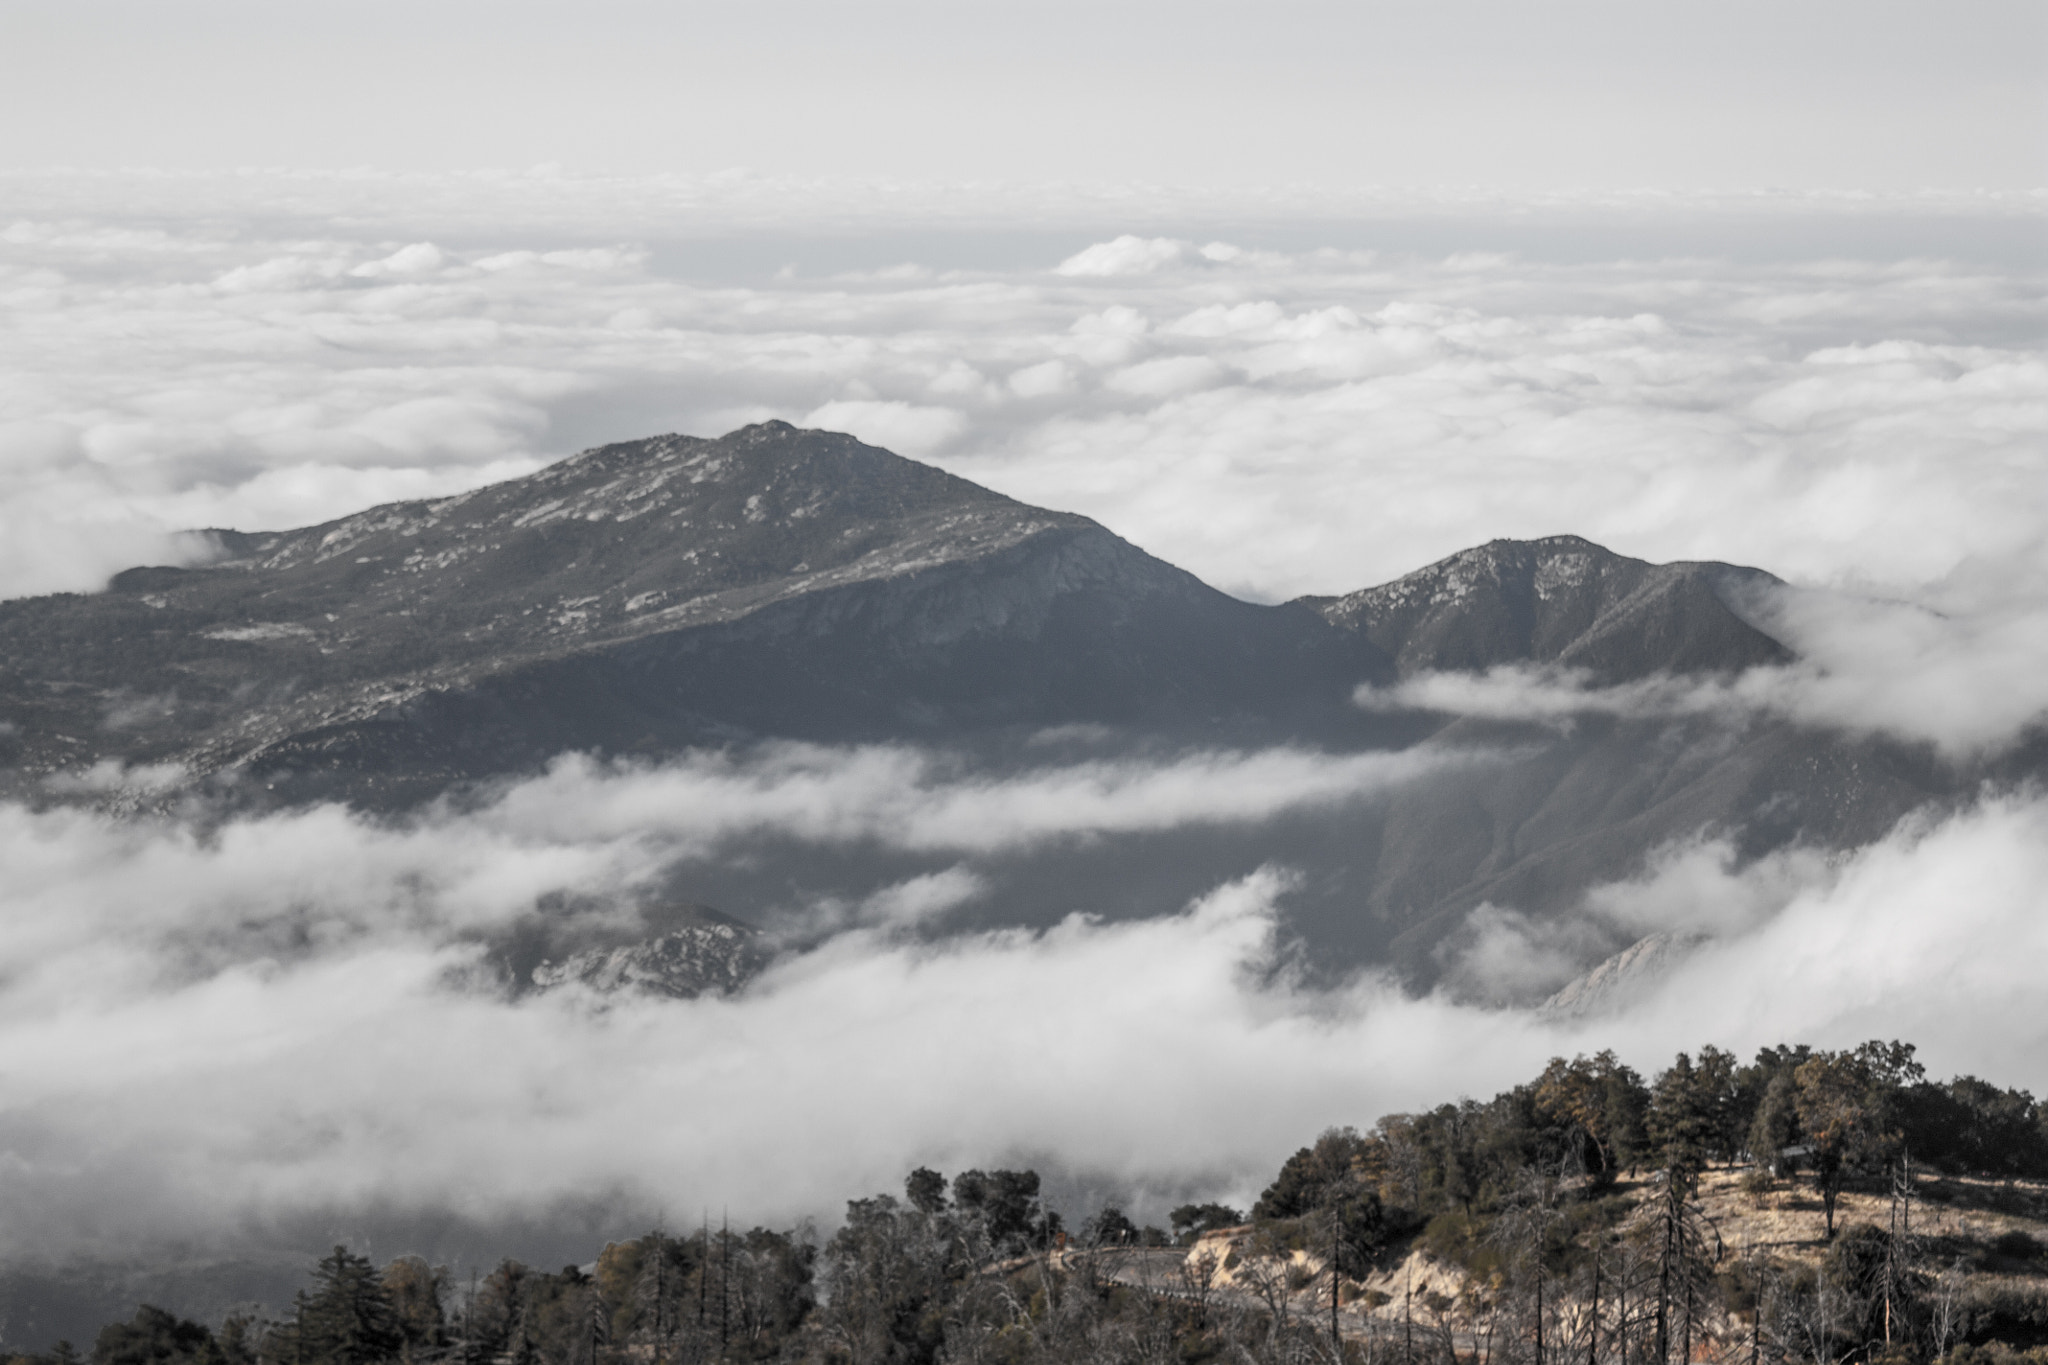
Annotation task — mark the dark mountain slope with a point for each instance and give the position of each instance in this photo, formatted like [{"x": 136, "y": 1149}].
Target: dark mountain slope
[
  {"x": 1583, "y": 804},
  {"x": 1586, "y": 807},
  {"x": 647, "y": 596}
]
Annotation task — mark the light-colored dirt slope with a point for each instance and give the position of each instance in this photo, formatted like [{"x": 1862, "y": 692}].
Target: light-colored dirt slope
[{"x": 1957, "y": 1223}]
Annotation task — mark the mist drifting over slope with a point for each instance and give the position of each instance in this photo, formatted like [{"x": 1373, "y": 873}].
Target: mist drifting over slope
[{"x": 291, "y": 1016}]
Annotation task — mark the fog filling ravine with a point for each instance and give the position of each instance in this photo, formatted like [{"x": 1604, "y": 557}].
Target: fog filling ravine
[{"x": 946, "y": 750}]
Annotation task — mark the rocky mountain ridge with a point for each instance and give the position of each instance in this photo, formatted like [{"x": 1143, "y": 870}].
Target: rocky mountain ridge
[
  {"x": 1626, "y": 978},
  {"x": 640, "y": 597},
  {"x": 311, "y": 653},
  {"x": 682, "y": 964},
  {"x": 650, "y": 597},
  {"x": 1562, "y": 600}
]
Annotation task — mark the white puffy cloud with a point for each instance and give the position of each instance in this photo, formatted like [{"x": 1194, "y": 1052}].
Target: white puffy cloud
[
  {"x": 1166, "y": 376},
  {"x": 906, "y": 428},
  {"x": 1687, "y": 892},
  {"x": 408, "y": 262},
  {"x": 1913, "y": 938},
  {"x": 1046, "y": 379},
  {"x": 1134, "y": 255}
]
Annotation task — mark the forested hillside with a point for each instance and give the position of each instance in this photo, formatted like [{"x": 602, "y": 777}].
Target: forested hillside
[{"x": 1825, "y": 1207}]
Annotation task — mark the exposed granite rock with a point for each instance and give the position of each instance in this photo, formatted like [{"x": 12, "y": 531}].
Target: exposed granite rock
[
  {"x": 683, "y": 963},
  {"x": 1630, "y": 976}
]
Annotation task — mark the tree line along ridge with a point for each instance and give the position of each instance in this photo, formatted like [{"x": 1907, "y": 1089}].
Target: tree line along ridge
[{"x": 1809, "y": 1207}]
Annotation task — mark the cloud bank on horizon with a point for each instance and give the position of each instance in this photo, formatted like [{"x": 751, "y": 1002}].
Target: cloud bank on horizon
[{"x": 1278, "y": 422}]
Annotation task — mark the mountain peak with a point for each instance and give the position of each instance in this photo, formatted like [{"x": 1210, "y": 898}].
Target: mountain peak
[
  {"x": 1563, "y": 600},
  {"x": 641, "y": 597},
  {"x": 621, "y": 539}
]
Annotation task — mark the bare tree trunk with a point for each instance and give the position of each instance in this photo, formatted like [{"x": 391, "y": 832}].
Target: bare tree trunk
[
  {"x": 1665, "y": 1258},
  {"x": 1408, "y": 1320},
  {"x": 1621, "y": 1311},
  {"x": 1593, "y": 1322},
  {"x": 1759, "y": 1276},
  {"x": 1336, "y": 1338},
  {"x": 1946, "y": 1309},
  {"x": 1685, "y": 1348}
]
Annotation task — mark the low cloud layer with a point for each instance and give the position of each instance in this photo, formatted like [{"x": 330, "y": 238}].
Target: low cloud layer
[{"x": 205, "y": 1032}]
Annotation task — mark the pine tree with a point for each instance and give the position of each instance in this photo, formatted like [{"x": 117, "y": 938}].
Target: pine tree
[
  {"x": 349, "y": 1318},
  {"x": 1680, "y": 1126}
]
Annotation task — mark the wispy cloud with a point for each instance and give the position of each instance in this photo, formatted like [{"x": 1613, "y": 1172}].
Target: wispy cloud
[
  {"x": 1961, "y": 665},
  {"x": 912, "y": 799}
]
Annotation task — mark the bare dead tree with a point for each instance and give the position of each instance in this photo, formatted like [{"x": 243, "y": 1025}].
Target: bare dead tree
[
  {"x": 1900, "y": 1277},
  {"x": 1264, "y": 1272},
  {"x": 1197, "y": 1276}
]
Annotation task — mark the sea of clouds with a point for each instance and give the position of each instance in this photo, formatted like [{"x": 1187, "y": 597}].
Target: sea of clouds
[
  {"x": 1278, "y": 421},
  {"x": 206, "y": 1027}
]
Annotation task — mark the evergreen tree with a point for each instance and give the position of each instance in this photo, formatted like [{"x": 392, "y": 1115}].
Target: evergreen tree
[
  {"x": 1190, "y": 1221},
  {"x": 237, "y": 1345},
  {"x": 1008, "y": 1206},
  {"x": 349, "y": 1318},
  {"x": 926, "y": 1190},
  {"x": 1680, "y": 1125},
  {"x": 154, "y": 1337},
  {"x": 1775, "y": 1126},
  {"x": 1719, "y": 1099},
  {"x": 1306, "y": 1176},
  {"x": 1841, "y": 1114},
  {"x": 1593, "y": 1107}
]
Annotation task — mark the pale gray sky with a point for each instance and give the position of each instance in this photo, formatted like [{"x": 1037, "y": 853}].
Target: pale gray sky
[{"x": 1882, "y": 94}]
